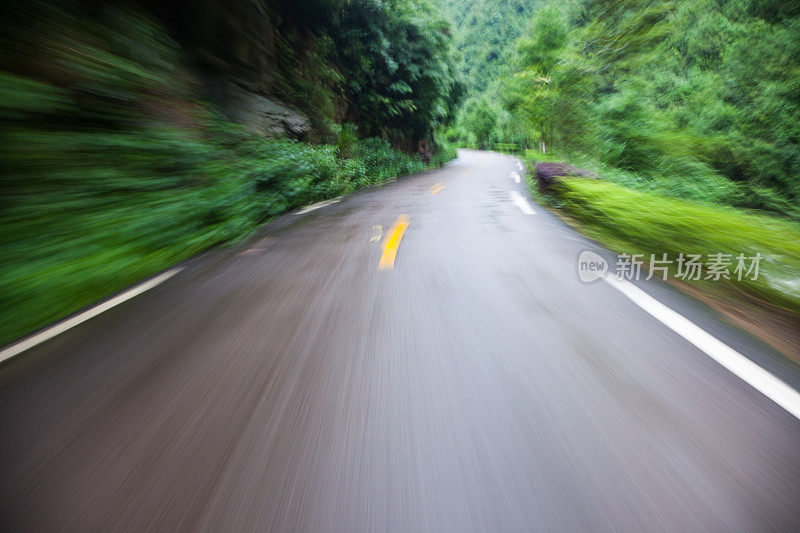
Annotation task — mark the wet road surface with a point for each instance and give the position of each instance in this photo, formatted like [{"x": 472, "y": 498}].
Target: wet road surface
[{"x": 288, "y": 384}]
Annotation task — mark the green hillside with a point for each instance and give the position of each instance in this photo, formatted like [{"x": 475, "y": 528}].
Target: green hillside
[{"x": 483, "y": 29}]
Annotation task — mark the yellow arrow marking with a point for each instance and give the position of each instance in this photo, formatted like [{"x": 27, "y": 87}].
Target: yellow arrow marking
[
  {"x": 436, "y": 188},
  {"x": 392, "y": 242}
]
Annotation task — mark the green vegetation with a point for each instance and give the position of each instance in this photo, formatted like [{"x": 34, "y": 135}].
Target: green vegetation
[
  {"x": 478, "y": 118},
  {"x": 689, "y": 110},
  {"x": 700, "y": 99},
  {"x": 399, "y": 69},
  {"x": 123, "y": 206},
  {"x": 483, "y": 30},
  {"x": 116, "y": 166},
  {"x": 635, "y": 222}
]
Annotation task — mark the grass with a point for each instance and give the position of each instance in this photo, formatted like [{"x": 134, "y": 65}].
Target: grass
[
  {"x": 693, "y": 185},
  {"x": 635, "y": 222},
  {"x": 97, "y": 220}
]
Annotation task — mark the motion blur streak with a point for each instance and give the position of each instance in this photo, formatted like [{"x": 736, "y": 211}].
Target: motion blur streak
[
  {"x": 753, "y": 374},
  {"x": 479, "y": 387},
  {"x": 62, "y": 326}
]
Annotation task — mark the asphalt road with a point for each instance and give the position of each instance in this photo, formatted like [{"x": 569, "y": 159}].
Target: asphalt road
[{"x": 288, "y": 384}]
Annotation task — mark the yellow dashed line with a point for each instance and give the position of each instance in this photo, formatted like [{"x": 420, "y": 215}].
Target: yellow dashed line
[
  {"x": 436, "y": 188},
  {"x": 392, "y": 242}
]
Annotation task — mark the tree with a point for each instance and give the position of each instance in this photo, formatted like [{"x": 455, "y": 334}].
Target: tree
[
  {"x": 399, "y": 66},
  {"x": 480, "y": 118}
]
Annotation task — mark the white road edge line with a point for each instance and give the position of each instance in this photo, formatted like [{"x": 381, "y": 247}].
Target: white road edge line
[
  {"x": 515, "y": 176},
  {"x": 317, "y": 205},
  {"x": 522, "y": 203},
  {"x": 770, "y": 386},
  {"x": 60, "y": 327}
]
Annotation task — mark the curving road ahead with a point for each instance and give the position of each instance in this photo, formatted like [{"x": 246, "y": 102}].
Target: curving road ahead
[{"x": 472, "y": 384}]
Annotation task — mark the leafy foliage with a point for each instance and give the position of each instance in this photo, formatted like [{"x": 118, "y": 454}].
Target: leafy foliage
[
  {"x": 114, "y": 169},
  {"x": 696, "y": 99},
  {"x": 483, "y": 30},
  {"x": 479, "y": 117},
  {"x": 399, "y": 67},
  {"x": 686, "y": 105}
]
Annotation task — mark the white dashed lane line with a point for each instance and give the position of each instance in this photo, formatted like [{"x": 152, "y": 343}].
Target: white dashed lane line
[
  {"x": 317, "y": 205},
  {"x": 522, "y": 203}
]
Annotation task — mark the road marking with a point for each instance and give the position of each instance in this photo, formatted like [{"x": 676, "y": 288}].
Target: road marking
[
  {"x": 515, "y": 176},
  {"x": 258, "y": 246},
  {"x": 60, "y": 327},
  {"x": 519, "y": 165},
  {"x": 392, "y": 242},
  {"x": 522, "y": 203},
  {"x": 377, "y": 232},
  {"x": 770, "y": 386},
  {"x": 436, "y": 188},
  {"x": 317, "y": 205}
]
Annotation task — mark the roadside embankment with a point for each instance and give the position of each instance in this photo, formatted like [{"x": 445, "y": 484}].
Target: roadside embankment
[{"x": 748, "y": 264}]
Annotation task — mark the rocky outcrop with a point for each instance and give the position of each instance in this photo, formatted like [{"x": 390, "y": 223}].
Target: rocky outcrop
[
  {"x": 245, "y": 52},
  {"x": 261, "y": 114}
]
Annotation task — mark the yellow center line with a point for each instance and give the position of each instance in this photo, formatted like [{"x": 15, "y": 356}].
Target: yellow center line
[
  {"x": 436, "y": 188},
  {"x": 392, "y": 242}
]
